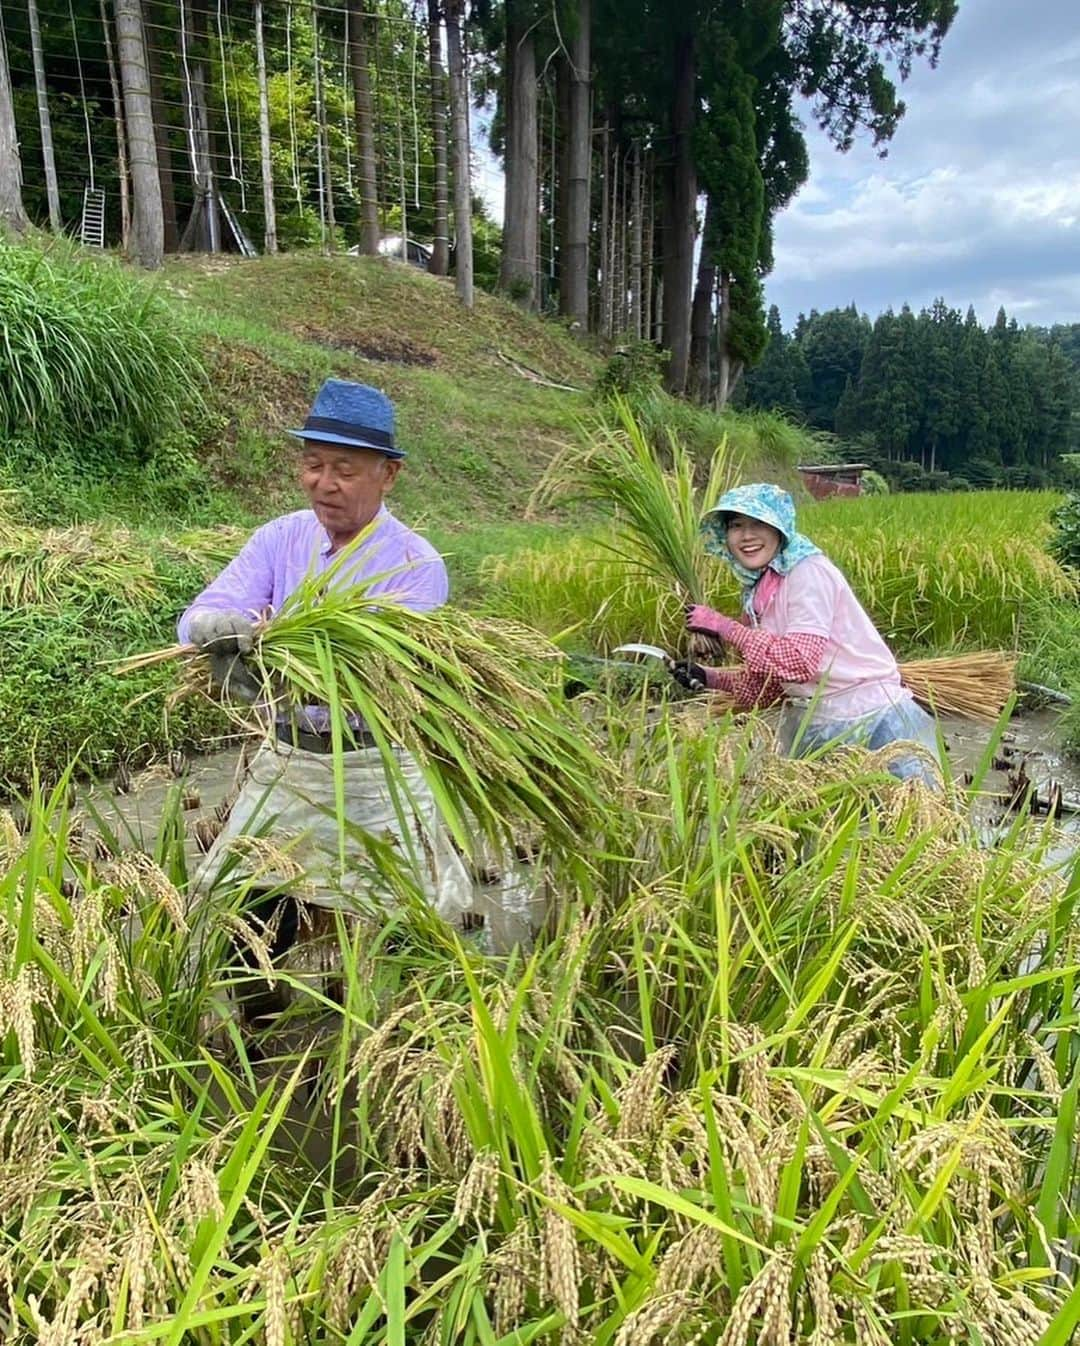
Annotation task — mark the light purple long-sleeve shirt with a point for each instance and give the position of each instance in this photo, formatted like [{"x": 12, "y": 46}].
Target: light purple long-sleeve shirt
[{"x": 282, "y": 553}]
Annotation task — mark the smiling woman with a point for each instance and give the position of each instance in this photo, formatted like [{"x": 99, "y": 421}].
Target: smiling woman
[
  {"x": 751, "y": 542},
  {"x": 804, "y": 639}
]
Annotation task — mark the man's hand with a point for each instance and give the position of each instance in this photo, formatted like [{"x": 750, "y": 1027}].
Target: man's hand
[
  {"x": 704, "y": 621},
  {"x": 687, "y": 674},
  {"x": 226, "y": 637},
  {"x": 221, "y": 632}
]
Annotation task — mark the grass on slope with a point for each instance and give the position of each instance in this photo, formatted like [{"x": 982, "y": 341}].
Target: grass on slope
[
  {"x": 477, "y": 433},
  {"x": 72, "y": 603}
]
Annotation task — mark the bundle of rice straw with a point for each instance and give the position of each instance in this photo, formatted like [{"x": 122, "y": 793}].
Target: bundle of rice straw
[
  {"x": 975, "y": 686},
  {"x": 478, "y": 703}
]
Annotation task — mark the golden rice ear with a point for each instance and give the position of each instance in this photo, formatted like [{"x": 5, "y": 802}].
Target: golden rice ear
[{"x": 477, "y": 702}]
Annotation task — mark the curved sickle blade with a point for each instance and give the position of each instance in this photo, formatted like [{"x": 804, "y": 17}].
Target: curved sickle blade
[{"x": 653, "y": 651}]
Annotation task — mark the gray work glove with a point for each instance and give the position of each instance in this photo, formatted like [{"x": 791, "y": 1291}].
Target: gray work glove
[{"x": 226, "y": 637}]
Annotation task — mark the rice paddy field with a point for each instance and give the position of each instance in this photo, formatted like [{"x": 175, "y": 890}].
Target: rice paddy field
[
  {"x": 791, "y": 1061},
  {"x": 936, "y": 572},
  {"x": 794, "y": 1062}
]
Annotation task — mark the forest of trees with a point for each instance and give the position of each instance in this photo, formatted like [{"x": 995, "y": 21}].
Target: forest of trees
[
  {"x": 932, "y": 399},
  {"x": 629, "y": 130}
]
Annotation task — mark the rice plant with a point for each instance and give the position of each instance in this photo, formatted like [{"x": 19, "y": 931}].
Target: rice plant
[
  {"x": 786, "y": 1069},
  {"x": 657, "y": 507},
  {"x": 939, "y": 571}
]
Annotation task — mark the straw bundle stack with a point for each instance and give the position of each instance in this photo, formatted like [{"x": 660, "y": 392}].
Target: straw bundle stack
[{"x": 976, "y": 686}]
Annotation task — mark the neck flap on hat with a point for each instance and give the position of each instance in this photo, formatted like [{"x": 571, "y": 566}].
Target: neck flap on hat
[{"x": 771, "y": 505}]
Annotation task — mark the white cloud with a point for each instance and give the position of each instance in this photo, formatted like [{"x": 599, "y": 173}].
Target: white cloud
[{"x": 978, "y": 198}]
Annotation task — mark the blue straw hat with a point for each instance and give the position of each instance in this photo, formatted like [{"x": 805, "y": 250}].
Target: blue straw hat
[{"x": 351, "y": 414}]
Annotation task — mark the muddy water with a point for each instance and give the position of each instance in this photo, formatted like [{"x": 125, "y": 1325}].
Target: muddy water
[
  {"x": 1029, "y": 751},
  {"x": 133, "y": 809},
  {"x": 1028, "y": 768}
]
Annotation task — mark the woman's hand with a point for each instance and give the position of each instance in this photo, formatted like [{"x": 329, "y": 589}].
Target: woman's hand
[
  {"x": 704, "y": 621},
  {"x": 687, "y": 674}
]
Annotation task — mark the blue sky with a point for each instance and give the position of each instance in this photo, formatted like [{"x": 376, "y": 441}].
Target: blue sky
[{"x": 978, "y": 200}]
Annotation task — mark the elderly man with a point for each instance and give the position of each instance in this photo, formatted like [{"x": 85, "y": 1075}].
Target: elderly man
[{"x": 349, "y": 462}]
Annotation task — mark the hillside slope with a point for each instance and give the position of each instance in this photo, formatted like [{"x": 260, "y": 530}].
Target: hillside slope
[{"x": 477, "y": 431}]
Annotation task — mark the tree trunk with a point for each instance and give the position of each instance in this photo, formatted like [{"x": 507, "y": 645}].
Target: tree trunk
[
  {"x": 680, "y": 183},
  {"x": 121, "y": 133},
  {"x": 517, "y": 275},
  {"x": 561, "y": 147},
  {"x": 147, "y": 220},
  {"x": 649, "y": 253},
  {"x": 459, "y": 110},
  {"x": 615, "y": 260},
  {"x": 12, "y": 212},
  {"x": 574, "y": 287},
  {"x": 161, "y": 138},
  {"x": 360, "y": 64},
  {"x": 440, "y": 251},
  {"x": 623, "y": 273},
  {"x": 637, "y": 238},
  {"x": 402, "y": 193},
  {"x": 204, "y": 207},
  {"x": 52, "y": 190},
  {"x": 265, "y": 162},
  {"x": 699, "y": 384},
  {"x": 326, "y": 186},
  {"x": 605, "y": 234},
  {"x": 727, "y": 376}
]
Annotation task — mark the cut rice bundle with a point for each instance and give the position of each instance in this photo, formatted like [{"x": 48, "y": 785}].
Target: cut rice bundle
[{"x": 477, "y": 701}]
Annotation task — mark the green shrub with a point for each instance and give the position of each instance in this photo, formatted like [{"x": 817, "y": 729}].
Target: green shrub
[
  {"x": 983, "y": 473},
  {"x": 633, "y": 372},
  {"x": 1024, "y": 477},
  {"x": 1064, "y": 544},
  {"x": 94, "y": 364},
  {"x": 908, "y": 476},
  {"x": 873, "y": 483}
]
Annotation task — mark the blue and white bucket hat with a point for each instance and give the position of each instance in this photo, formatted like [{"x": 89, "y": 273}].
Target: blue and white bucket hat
[{"x": 768, "y": 503}]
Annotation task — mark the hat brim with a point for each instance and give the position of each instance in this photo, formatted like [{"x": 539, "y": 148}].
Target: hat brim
[
  {"x": 325, "y": 437},
  {"x": 724, "y": 514}
]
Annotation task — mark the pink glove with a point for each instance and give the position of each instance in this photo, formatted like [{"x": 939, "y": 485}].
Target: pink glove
[{"x": 707, "y": 622}]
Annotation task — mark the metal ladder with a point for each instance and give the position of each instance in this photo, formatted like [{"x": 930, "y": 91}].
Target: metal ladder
[
  {"x": 92, "y": 231},
  {"x": 243, "y": 243}
]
